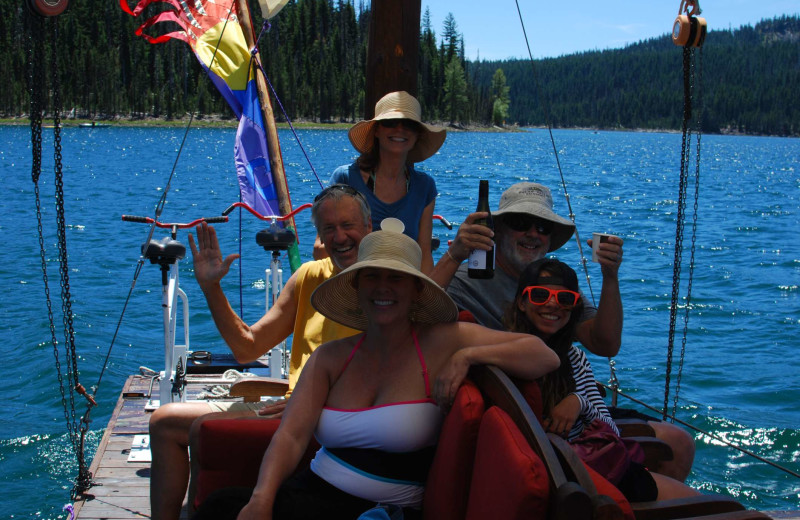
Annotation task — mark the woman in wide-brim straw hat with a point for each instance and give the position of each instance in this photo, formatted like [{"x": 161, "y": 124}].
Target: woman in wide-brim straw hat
[
  {"x": 377, "y": 399},
  {"x": 390, "y": 143}
]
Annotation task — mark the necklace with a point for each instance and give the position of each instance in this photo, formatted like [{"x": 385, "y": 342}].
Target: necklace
[{"x": 372, "y": 179}]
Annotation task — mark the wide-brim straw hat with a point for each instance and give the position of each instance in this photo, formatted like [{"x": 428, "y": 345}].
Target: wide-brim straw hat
[
  {"x": 399, "y": 105},
  {"x": 337, "y": 297},
  {"x": 535, "y": 199}
]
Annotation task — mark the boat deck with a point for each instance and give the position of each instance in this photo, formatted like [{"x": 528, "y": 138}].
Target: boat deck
[{"x": 123, "y": 490}]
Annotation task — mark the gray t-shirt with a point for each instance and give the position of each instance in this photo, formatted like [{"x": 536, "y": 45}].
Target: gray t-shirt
[{"x": 487, "y": 300}]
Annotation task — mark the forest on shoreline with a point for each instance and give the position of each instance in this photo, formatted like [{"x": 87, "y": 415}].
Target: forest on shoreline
[{"x": 315, "y": 52}]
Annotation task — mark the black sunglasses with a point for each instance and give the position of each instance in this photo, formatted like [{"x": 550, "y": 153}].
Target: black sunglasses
[
  {"x": 523, "y": 222},
  {"x": 408, "y": 123},
  {"x": 339, "y": 187}
]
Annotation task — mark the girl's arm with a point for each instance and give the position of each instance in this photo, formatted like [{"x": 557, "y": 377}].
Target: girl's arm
[
  {"x": 592, "y": 404},
  {"x": 520, "y": 355},
  {"x": 293, "y": 435}
]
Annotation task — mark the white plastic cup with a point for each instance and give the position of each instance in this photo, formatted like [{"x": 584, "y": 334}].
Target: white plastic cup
[{"x": 597, "y": 239}]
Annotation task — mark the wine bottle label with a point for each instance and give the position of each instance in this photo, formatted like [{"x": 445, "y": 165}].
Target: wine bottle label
[{"x": 477, "y": 259}]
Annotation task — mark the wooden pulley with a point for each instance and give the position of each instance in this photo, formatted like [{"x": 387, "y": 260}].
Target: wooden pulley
[
  {"x": 48, "y": 7},
  {"x": 688, "y": 29}
]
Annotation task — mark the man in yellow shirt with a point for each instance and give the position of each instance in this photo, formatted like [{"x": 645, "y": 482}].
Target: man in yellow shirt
[{"x": 342, "y": 218}]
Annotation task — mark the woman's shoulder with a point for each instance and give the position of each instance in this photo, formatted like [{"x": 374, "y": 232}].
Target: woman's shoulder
[
  {"x": 342, "y": 173},
  {"x": 332, "y": 354},
  {"x": 420, "y": 175},
  {"x": 447, "y": 334},
  {"x": 423, "y": 184}
]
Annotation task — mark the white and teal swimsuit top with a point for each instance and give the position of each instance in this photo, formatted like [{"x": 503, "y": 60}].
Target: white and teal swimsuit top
[{"x": 380, "y": 453}]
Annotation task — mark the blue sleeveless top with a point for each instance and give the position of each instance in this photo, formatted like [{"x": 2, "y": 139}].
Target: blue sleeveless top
[{"x": 421, "y": 191}]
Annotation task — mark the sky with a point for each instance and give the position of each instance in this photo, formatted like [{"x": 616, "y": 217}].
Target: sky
[{"x": 492, "y": 29}]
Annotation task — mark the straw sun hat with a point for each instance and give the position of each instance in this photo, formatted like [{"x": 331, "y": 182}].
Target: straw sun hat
[
  {"x": 337, "y": 297},
  {"x": 399, "y": 105},
  {"x": 535, "y": 199}
]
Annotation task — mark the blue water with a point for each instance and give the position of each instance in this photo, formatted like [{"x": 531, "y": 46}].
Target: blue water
[{"x": 739, "y": 379}]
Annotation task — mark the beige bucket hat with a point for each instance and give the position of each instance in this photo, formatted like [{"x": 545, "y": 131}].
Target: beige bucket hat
[
  {"x": 531, "y": 198},
  {"x": 399, "y": 105},
  {"x": 337, "y": 298}
]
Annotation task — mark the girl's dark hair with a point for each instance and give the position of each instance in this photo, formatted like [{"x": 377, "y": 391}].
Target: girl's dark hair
[{"x": 558, "y": 384}]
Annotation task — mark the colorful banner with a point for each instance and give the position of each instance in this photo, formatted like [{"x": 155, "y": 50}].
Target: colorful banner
[{"x": 212, "y": 30}]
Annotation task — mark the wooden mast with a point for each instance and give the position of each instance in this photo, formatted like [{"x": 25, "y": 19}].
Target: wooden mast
[
  {"x": 392, "y": 50},
  {"x": 273, "y": 145}
]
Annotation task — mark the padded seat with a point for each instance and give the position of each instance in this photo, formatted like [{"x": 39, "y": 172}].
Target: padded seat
[
  {"x": 230, "y": 451},
  {"x": 448, "y": 483},
  {"x": 509, "y": 480}
]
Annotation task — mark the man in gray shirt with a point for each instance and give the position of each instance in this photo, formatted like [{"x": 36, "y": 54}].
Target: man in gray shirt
[{"x": 525, "y": 229}]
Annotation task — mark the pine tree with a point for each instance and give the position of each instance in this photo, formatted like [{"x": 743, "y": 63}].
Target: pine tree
[
  {"x": 500, "y": 98},
  {"x": 455, "y": 91}
]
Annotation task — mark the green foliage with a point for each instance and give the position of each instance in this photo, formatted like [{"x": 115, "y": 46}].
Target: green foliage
[
  {"x": 500, "y": 96},
  {"x": 315, "y": 54},
  {"x": 748, "y": 78},
  {"x": 455, "y": 91}
]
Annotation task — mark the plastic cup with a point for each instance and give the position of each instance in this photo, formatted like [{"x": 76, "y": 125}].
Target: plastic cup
[{"x": 597, "y": 239}]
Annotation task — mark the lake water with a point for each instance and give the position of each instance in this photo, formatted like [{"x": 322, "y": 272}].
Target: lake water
[{"x": 739, "y": 378}]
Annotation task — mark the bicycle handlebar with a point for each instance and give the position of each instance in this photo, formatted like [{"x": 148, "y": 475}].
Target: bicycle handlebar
[
  {"x": 266, "y": 217},
  {"x": 444, "y": 221},
  {"x": 177, "y": 225}
]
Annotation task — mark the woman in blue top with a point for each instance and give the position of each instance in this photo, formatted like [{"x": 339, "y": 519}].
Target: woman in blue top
[{"x": 390, "y": 144}]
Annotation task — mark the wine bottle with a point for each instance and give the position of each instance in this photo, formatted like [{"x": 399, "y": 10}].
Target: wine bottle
[{"x": 481, "y": 262}]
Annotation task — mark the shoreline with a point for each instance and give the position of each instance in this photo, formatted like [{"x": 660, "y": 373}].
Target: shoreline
[{"x": 217, "y": 121}]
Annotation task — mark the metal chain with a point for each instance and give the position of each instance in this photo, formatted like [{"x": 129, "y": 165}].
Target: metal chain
[
  {"x": 84, "y": 479},
  {"x": 676, "y": 270},
  {"x": 36, "y": 78},
  {"x": 66, "y": 304},
  {"x": 696, "y": 87}
]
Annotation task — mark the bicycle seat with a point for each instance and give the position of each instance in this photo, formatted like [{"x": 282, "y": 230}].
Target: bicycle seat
[
  {"x": 166, "y": 250},
  {"x": 275, "y": 238}
]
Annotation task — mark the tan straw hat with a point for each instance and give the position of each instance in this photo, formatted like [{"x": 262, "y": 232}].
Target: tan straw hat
[
  {"x": 399, "y": 105},
  {"x": 535, "y": 199},
  {"x": 337, "y": 297}
]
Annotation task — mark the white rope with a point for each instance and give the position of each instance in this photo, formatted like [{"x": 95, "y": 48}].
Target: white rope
[{"x": 222, "y": 391}]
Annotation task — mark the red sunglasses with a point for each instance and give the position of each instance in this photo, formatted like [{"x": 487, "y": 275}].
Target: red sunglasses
[{"x": 539, "y": 295}]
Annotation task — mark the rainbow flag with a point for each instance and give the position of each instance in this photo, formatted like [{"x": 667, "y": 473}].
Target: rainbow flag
[{"x": 212, "y": 29}]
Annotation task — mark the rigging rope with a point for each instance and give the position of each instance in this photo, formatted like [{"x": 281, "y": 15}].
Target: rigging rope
[
  {"x": 709, "y": 434},
  {"x": 36, "y": 53},
  {"x": 158, "y": 210},
  {"x": 545, "y": 107},
  {"x": 264, "y": 28}
]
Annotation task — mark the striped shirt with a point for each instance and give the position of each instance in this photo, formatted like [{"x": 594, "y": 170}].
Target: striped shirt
[{"x": 592, "y": 404}]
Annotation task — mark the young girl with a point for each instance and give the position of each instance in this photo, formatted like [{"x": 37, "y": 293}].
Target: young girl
[{"x": 548, "y": 304}]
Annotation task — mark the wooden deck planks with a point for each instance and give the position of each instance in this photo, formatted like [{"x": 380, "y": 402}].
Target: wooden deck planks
[{"x": 123, "y": 490}]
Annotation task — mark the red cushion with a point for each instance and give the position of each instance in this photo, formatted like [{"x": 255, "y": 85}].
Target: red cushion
[
  {"x": 230, "y": 451},
  {"x": 509, "y": 480},
  {"x": 532, "y": 393},
  {"x": 466, "y": 316},
  {"x": 604, "y": 487},
  {"x": 447, "y": 488}
]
